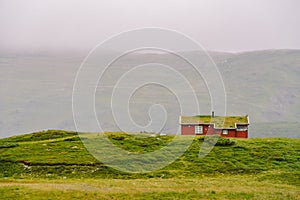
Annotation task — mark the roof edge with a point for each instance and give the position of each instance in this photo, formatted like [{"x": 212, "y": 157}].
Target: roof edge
[{"x": 235, "y": 124}]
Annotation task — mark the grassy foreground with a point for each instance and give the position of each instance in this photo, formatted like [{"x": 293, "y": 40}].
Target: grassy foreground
[{"x": 56, "y": 165}]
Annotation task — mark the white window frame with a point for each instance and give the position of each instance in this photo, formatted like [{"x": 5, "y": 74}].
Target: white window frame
[
  {"x": 225, "y": 132},
  {"x": 198, "y": 130},
  {"x": 239, "y": 128}
]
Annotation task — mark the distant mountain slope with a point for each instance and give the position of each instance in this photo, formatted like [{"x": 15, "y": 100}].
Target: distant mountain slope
[
  {"x": 36, "y": 91},
  {"x": 265, "y": 84}
]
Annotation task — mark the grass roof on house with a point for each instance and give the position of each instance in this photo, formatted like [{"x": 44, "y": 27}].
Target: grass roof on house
[{"x": 219, "y": 121}]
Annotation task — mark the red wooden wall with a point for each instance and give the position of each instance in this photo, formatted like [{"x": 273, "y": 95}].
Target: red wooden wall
[{"x": 232, "y": 133}]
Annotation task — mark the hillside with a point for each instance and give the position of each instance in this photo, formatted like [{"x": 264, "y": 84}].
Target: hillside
[
  {"x": 36, "y": 91},
  {"x": 59, "y": 157}
]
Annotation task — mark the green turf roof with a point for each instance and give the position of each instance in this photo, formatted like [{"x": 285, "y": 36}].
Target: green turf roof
[{"x": 219, "y": 121}]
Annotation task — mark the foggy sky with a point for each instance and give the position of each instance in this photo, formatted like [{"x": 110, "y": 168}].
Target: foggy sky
[{"x": 222, "y": 25}]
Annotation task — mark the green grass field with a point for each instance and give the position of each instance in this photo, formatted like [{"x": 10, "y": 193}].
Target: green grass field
[{"x": 56, "y": 165}]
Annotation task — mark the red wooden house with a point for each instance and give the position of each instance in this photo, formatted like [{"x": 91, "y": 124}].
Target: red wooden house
[{"x": 228, "y": 126}]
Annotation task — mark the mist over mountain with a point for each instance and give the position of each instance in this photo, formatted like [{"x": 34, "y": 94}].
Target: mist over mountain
[{"x": 36, "y": 91}]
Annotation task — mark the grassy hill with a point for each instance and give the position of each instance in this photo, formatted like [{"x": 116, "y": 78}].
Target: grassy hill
[{"x": 55, "y": 164}]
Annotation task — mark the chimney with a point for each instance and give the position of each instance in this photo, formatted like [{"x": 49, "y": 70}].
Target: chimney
[{"x": 212, "y": 114}]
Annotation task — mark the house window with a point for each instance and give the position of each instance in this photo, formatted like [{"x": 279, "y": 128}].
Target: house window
[
  {"x": 225, "y": 132},
  {"x": 242, "y": 128},
  {"x": 198, "y": 129}
]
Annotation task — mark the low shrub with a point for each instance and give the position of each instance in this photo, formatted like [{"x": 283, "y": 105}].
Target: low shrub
[
  {"x": 225, "y": 142},
  {"x": 220, "y": 140}
]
